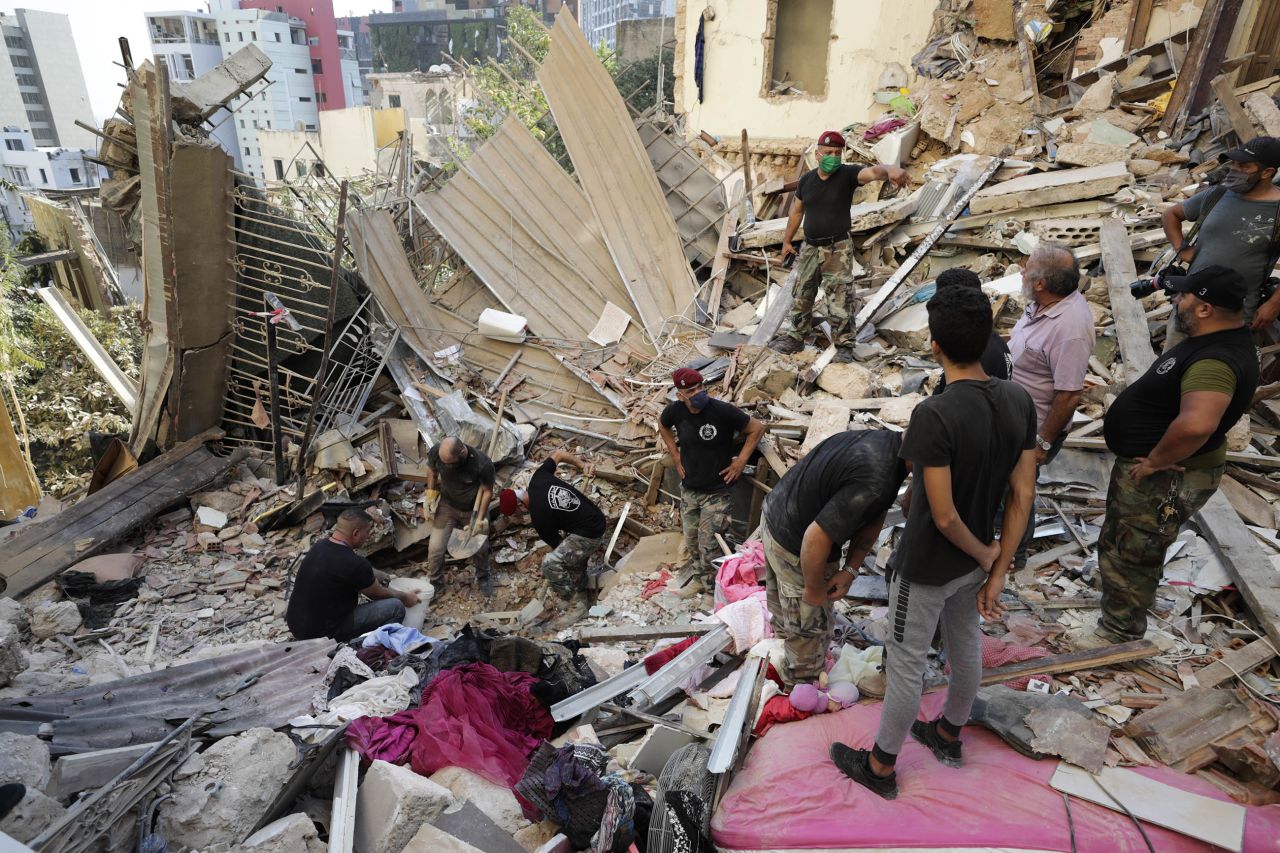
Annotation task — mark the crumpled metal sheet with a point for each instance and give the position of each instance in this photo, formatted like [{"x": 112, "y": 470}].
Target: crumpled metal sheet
[{"x": 266, "y": 686}]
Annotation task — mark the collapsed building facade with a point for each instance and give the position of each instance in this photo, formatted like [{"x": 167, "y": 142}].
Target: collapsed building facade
[{"x": 304, "y": 347}]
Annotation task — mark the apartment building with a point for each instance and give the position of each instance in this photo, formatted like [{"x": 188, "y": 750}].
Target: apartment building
[
  {"x": 599, "y": 18},
  {"x": 42, "y": 86},
  {"x": 25, "y": 166}
]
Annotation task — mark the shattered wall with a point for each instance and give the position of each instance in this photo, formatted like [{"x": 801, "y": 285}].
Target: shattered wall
[{"x": 863, "y": 38}]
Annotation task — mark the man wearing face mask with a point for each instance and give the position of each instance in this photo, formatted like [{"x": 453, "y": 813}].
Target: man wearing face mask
[
  {"x": 456, "y": 473},
  {"x": 698, "y": 431},
  {"x": 1168, "y": 432},
  {"x": 822, "y": 203},
  {"x": 1238, "y": 230}
]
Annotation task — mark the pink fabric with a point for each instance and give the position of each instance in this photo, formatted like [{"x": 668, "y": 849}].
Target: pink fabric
[
  {"x": 656, "y": 585},
  {"x": 996, "y": 653},
  {"x": 789, "y": 795},
  {"x": 471, "y": 716},
  {"x": 739, "y": 576}
]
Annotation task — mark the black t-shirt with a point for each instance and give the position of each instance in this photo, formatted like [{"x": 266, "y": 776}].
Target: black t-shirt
[
  {"x": 979, "y": 430},
  {"x": 327, "y": 589},
  {"x": 459, "y": 483},
  {"x": 844, "y": 484},
  {"x": 995, "y": 360},
  {"x": 827, "y": 203},
  {"x": 706, "y": 441},
  {"x": 1141, "y": 415},
  {"x": 558, "y": 508}
]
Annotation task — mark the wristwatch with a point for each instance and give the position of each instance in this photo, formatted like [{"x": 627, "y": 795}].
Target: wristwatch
[{"x": 1042, "y": 444}]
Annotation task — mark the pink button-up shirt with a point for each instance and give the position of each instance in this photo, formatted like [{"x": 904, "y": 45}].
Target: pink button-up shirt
[{"x": 1050, "y": 348}]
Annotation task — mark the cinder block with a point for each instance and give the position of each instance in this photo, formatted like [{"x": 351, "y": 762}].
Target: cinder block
[{"x": 392, "y": 804}]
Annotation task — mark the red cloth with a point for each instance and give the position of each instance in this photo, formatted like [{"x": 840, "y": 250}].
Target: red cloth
[
  {"x": 471, "y": 716},
  {"x": 663, "y": 656},
  {"x": 778, "y": 710},
  {"x": 997, "y": 653},
  {"x": 656, "y": 585}
]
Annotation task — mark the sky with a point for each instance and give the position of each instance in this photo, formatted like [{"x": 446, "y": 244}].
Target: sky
[{"x": 98, "y": 24}]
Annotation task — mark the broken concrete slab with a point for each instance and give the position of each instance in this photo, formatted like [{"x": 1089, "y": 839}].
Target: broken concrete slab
[
  {"x": 13, "y": 660},
  {"x": 657, "y": 747},
  {"x": 1264, "y": 113},
  {"x": 650, "y": 553},
  {"x": 467, "y": 823},
  {"x": 31, "y": 816},
  {"x": 848, "y": 381},
  {"x": 16, "y": 614},
  {"x": 866, "y": 216},
  {"x": 1051, "y": 188},
  {"x": 535, "y": 835},
  {"x": 497, "y": 802},
  {"x": 50, "y": 618},
  {"x": 295, "y": 833},
  {"x": 393, "y": 802},
  {"x": 908, "y": 327},
  {"x": 1080, "y": 740},
  {"x": 25, "y": 759},
  {"x": 1088, "y": 153},
  {"x": 429, "y": 839}
]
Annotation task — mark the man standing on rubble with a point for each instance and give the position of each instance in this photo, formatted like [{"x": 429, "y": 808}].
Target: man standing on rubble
[
  {"x": 822, "y": 201},
  {"x": 1239, "y": 228},
  {"x": 330, "y": 581},
  {"x": 1050, "y": 346},
  {"x": 569, "y": 522},
  {"x": 456, "y": 473},
  {"x": 699, "y": 431},
  {"x": 1168, "y": 431},
  {"x": 967, "y": 446},
  {"x": 995, "y": 360},
  {"x": 839, "y": 492}
]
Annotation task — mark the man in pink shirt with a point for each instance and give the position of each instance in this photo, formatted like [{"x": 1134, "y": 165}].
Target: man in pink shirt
[{"x": 1050, "y": 347}]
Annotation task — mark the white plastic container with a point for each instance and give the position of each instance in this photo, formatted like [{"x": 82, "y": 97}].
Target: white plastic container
[
  {"x": 422, "y": 587},
  {"x": 502, "y": 326}
]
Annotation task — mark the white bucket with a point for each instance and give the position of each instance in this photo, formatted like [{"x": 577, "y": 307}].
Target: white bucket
[
  {"x": 502, "y": 326},
  {"x": 421, "y": 587}
]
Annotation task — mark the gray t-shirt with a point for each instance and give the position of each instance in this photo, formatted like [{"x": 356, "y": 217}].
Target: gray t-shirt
[{"x": 1237, "y": 234}]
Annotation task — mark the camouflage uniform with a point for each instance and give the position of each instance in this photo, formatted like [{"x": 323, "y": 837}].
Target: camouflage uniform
[
  {"x": 1142, "y": 522},
  {"x": 832, "y": 268},
  {"x": 805, "y": 630},
  {"x": 703, "y": 515},
  {"x": 565, "y": 568}
]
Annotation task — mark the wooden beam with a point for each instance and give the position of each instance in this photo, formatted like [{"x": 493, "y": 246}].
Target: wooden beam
[
  {"x": 1139, "y": 20},
  {"x": 640, "y": 633},
  {"x": 1236, "y": 114},
  {"x": 1250, "y": 568},
  {"x": 1131, "y": 323},
  {"x": 1236, "y": 662},
  {"x": 1073, "y": 661},
  {"x": 124, "y": 387},
  {"x": 47, "y": 257}
]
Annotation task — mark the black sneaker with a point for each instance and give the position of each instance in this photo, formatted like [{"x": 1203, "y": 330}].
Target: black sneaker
[
  {"x": 786, "y": 345},
  {"x": 946, "y": 751},
  {"x": 856, "y": 764}
]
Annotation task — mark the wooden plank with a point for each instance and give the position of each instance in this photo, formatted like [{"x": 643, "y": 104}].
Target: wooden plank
[
  {"x": 1250, "y": 568},
  {"x": 1204, "y": 818},
  {"x": 720, "y": 266},
  {"x": 1044, "y": 558},
  {"x": 124, "y": 387},
  {"x": 1251, "y": 506},
  {"x": 80, "y": 772},
  {"x": 1131, "y": 323},
  {"x": 1138, "y": 23},
  {"x": 1236, "y": 662},
  {"x": 828, "y": 419},
  {"x": 1236, "y": 114},
  {"x": 776, "y": 312},
  {"x": 1073, "y": 661},
  {"x": 640, "y": 633}
]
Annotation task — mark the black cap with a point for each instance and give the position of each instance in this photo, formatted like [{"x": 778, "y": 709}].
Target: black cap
[
  {"x": 1263, "y": 150},
  {"x": 1216, "y": 284}
]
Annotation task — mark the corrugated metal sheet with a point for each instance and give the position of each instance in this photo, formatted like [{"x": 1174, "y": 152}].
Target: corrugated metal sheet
[
  {"x": 148, "y": 707},
  {"x": 614, "y": 169}
]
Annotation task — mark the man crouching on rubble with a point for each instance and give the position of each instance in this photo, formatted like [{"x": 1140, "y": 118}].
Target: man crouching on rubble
[
  {"x": 968, "y": 445},
  {"x": 567, "y": 521},
  {"x": 839, "y": 492},
  {"x": 330, "y": 581}
]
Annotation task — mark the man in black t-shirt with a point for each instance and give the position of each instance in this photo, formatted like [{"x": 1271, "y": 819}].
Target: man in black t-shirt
[
  {"x": 822, "y": 201},
  {"x": 456, "y": 474},
  {"x": 839, "y": 492},
  {"x": 995, "y": 359},
  {"x": 967, "y": 446},
  {"x": 1168, "y": 431},
  {"x": 569, "y": 522},
  {"x": 329, "y": 584},
  {"x": 698, "y": 431}
]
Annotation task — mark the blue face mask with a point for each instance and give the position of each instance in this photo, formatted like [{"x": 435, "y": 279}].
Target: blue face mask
[{"x": 700, "y": 400}]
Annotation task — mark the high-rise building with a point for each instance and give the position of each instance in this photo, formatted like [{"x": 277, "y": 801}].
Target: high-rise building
[
  {"x": 325, "y": 52},
  {"x": 188, "y": 45},
  {"x": 358, "y": 27},
  {"x": 29, "y": 167},
  {"x": 599, "y": 18},
  {"x": 42, "y": 86}
]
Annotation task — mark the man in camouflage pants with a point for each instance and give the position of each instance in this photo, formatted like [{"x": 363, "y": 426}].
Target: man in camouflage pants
[
  {"x": 1168, "y": 431},
  {"x": 822, "y": 201},
  {"x": 567, "y": 521}
]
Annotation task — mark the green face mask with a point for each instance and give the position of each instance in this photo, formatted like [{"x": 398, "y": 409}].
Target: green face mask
[{"x": 829, "y": 164}]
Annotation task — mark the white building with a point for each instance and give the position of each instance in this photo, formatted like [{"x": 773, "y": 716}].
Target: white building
[
  {"x": 289, "y": 102},
  {"x": 599, "y": 18},
  {"x": 42, "y": 86},
  {"x": 353, "y": 87},
  {"x": 435, "y": 107},
  {"x": 28, "y": 167},
  {"x": 188, "y": 45}
]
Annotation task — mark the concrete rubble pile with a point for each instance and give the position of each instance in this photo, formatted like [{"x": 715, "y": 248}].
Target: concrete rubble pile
[{"x": 149, "y": 685}]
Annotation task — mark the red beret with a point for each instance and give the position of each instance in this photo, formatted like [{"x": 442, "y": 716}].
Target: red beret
[
  {"x": 686, "y": 377},
  {"x": 832, "y": 137},
  {"x": 507, "y": 501}
]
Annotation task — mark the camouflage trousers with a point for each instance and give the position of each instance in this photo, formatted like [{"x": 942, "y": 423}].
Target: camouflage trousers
[
  {"x": 565, "y": 568},
  {"x": 702, "y": 516},
  {"x": 831, "y": 268},
  {"x": 1142, "y": 522},
  {"x": 805, "y": 630}
]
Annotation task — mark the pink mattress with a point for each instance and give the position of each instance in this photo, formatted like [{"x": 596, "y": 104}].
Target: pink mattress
[{"x": 789, "y": 795}]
